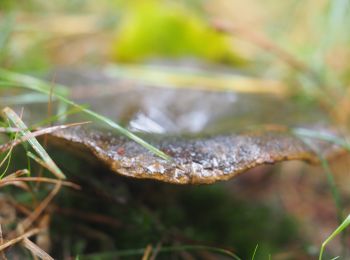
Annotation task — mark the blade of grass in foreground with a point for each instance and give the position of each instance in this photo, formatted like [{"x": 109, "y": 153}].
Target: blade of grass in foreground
[
  {"x": 339, "y": 229},
  {"x": 302, "y": 132},
  {"x": 15, "y": 119},
  {"x": 59, "y": 92},
  {"x": 325, "y": 165},
  {"x": 7, "y": 159},
  {"x": 333, "y": 186},
  {"x": 255, "y": 250}
]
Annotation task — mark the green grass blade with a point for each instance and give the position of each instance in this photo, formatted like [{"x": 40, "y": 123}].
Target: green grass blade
[
  {"x": 7, "y": 158},
  {"x": 302, "y": 132},
  {"x": 339, "y": 229},
  {"x": 60, "y": 92},
  {"x": 333, "y": 186},
  {"x": 56, "y": 118},
  {"x": 325, "y": 165},
  {"x": 14, "y": 118},
  {"x": 255, "y": 250},
  {"x": 29, "y": 98}
]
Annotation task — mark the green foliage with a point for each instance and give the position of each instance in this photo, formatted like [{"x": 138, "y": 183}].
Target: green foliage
[
  {"x": 152, "y": 29},
  {"x": 336, "y": 232},
  {"x": 16, "y": 120}
]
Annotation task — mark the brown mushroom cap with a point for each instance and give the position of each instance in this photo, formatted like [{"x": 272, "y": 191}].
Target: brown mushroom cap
[{"x": 195, "y": 160}]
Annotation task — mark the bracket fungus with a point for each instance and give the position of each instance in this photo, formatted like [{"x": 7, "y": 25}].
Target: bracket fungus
[
  {"x": 195, "y": 160},
  {"x": 201, "y": 130}
]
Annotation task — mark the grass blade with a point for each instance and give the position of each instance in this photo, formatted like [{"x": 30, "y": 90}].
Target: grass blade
[
  {"x": 339, "y": 229},
  {"x": 43, "y": 131},
  {"x": 14, "y": 118},
  {"x": 36, "y": 250},
  {"x": 8, "y": 181},
  {"x": 60, "y": 92},
  {"x": 333, "y": 186},
  {"x": 255, "y": 250},
  {"x": 7, "y": 158},
  {"x": 24, "y": 99},
  {"x": 302, "y": 132},
  {"x": 330, "y": 179}
]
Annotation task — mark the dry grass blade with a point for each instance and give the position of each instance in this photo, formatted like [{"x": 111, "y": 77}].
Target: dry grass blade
[
  {"x": 2, "y": 254},
  {"x": 37, "y": 133},
  {"x": 43, "y": 239},
  {"x": 8, "y": 180},
  {"x": 16, "y": 174},
  {"x": 15, "y": 119},
  {"x": 11, "y": 242},
  {"x": 156, "y": 251},
  {"x": 169, "y": 77},
  {"x": 9, "y": 130},
  {"x": 36, "y": 250},
  {"x": 36, "y": 213},
  {"x": 147, "y": 253},
  {"x": 38, "y": 179},
  {"x": 19, "y": 184}
]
